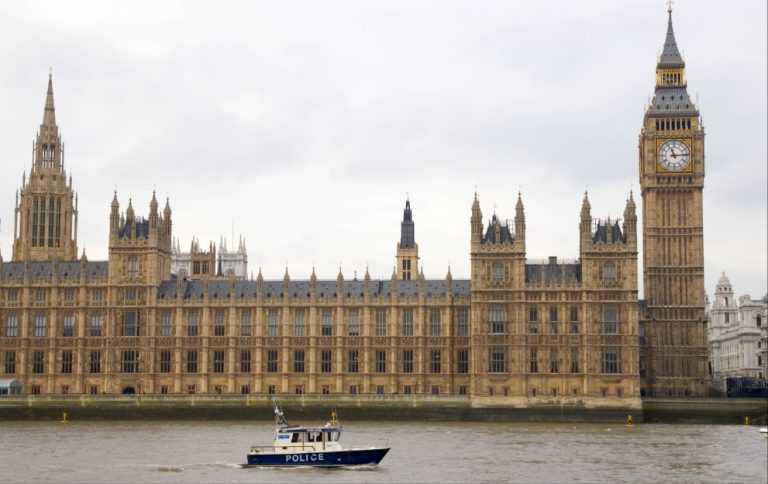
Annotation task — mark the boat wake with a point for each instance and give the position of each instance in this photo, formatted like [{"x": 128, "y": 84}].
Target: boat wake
[{"x": 199, "y": 465}]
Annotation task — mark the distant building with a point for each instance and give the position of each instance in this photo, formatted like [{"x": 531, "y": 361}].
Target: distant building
[
  {"x": 198, "y": 263},
  {"x": 736, "y": 335}
]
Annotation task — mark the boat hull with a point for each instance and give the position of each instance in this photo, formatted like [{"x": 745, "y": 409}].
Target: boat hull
[{"x": 352, "y": 457}]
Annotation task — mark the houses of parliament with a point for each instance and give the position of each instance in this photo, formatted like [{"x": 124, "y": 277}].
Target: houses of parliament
[{"x": 517, "y": 332}]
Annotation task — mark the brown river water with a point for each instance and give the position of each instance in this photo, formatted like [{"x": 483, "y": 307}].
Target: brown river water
[{"x": 146, "y": 451}]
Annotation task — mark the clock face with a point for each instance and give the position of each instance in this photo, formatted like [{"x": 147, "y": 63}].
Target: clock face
[{"x": 674, "y": 155}]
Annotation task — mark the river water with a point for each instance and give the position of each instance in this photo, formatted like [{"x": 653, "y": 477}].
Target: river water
[{"x": 147, "y": 451}]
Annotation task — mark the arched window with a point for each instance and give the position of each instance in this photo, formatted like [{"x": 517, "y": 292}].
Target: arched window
[{"x": 759, "y": 320}]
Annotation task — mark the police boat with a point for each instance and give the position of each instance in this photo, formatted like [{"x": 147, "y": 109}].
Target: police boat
[{"x": 311, "y": 446}]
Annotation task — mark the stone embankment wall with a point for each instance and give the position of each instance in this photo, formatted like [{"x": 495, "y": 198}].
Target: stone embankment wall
[{"x": 303, "y": 408}]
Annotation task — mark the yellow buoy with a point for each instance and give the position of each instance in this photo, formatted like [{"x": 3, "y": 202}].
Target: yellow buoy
[
  {"x": 630, "y": 421},
  {"x": 746, "y": 420},
  {"x": 64, "y": 417}
]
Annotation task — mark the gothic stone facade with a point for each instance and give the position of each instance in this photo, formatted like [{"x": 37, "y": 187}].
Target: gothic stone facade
[{"x": 518, "y": 331}]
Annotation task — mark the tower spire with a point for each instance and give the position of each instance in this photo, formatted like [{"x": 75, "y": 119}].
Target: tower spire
[
  {"x": 670, "y": 56},
  {"x": 49, "y": 114}
]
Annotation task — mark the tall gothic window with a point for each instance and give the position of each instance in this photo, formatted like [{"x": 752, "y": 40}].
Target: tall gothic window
[
  {"x": 39, "y": 325},
  {"x": 94, "y": 361},
  {"x": 165, "y": 361},
  {"x": 533, "y": 321},
  {"x": 352, "y": 361},
  {"x": 381, "y": 361},
  {"x": 272, "y": 329},
  {"x": 609, "y": 272},
  {"x": 133, "y": 267},
  {"x": 272, "y": 363},
  {"x": 298, "y": 361},
  {"x": 326, "y": 365},
  {"x": 96, "y": 325},
  {"x": 218, "y": 361},
  {"x": 245, "y": 361},
  {"x": 130, "y": 361},
  {"x": 610, "y": 320},
  {"x": 192, "y": 361},
  {"x": 434, "y": 361},
  {"x": 611, "y": 360},
  {"x": 381, "y": 322},
  {"x": 66, "y": 361},
  {"x": 407, "y": 361},
  {"x": 462, "y": 322},
  {"x": 498, "y": 320},
  {"x": 245, "y": 323},
  {"x": 434, "y": 322},
  {"x": 497, "y": 359},
  {"x": 327, "y": 322},
  {"x": 166, "y": 324},
  {"x": 299, "y": 326},
  {"x": 11, "y": 326},
  {"x": 462, "y": 361},
  {"x": 408, "y": 322},
  {"x": 218, "y": 322},
  {"x": 131, "y": 323},
  {"x": 353, "y": 327},
  {"x": 68, "y": 326}
]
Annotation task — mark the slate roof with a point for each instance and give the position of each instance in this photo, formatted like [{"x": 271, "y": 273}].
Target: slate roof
[
  {"x": 193, "y": 289},
  {"x": 504, "y": 233},
  {"x": 672, "y": 100},
  {"x": 670, "y": 56},
  {"x": 142, "y": 228},
  {"x": 553, "y": 273},
  {"x": 66, "y": 270},
  {"x": 601, "y": 233}
]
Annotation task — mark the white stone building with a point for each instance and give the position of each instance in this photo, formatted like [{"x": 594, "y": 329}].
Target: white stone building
[
  {"x": 199, "y": 263},
  {"x": 736, "y": 332}
]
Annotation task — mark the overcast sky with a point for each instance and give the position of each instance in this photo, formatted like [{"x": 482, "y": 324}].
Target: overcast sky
[{"x": 302, "y": 125}]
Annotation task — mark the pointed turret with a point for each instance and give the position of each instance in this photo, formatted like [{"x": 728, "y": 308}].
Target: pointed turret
[
  {"x": 153, "y": 205},
  {"x": 520, "y": 221},
  {"x": 167, "y": 224},
  {"x": 114, "y": 218},
  {"x": 476, "y": 221},
  {"x": 585, "y": 227},
  {"x": 129, "y": 213},
  {"x": 630, "y": 221}
]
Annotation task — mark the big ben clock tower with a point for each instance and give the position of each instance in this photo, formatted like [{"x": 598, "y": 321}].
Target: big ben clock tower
[{"x": 673, "y": 333}]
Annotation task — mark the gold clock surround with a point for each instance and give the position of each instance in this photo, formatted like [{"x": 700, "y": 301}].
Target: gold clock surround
[{"x": 660, "y": 168}]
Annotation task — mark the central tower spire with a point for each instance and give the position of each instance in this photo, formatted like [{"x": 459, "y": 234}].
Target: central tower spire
[{"x": 407, "y": 249}]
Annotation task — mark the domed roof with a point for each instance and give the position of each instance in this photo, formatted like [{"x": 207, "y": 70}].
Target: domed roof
[{"x": 723, "y": 281}]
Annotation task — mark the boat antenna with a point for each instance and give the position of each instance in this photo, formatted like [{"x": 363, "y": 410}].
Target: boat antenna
[{"x": 280, "y": 420}]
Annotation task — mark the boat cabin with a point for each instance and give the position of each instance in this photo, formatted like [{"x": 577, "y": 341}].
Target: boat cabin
[{"x": 305, "y": 435}]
